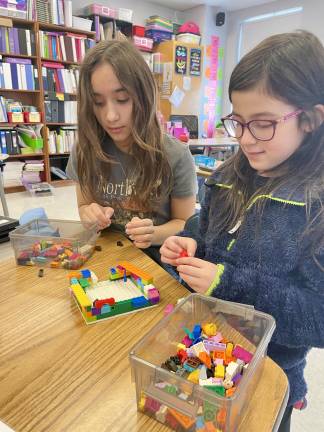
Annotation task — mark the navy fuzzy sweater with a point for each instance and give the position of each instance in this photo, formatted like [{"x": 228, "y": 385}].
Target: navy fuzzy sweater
[{"x": 271, "y": 269}]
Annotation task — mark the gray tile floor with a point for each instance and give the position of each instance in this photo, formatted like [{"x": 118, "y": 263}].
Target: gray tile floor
[{"x": 62, "y": 205}]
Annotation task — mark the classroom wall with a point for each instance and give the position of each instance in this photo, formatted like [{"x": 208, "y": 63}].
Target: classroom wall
[
  {"x": 205, "y": 17},
  {"x": 141, "y": 9},
  {"x": 312, "y": 20}
]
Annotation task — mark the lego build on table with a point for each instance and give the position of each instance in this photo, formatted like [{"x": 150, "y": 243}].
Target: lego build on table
[{"x": 128, "y": 289}]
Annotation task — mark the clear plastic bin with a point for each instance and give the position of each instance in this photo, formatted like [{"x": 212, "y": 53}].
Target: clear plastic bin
[
  {"x": 204, "y": 409},
  {"x": 54, "y": 243}
]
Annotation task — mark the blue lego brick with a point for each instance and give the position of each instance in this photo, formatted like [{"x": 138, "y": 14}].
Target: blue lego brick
[
  {"x": 138, "y": 302},
  {"x": 86, "y": 273}
]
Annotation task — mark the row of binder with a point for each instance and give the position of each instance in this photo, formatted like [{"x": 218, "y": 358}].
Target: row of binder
[
  {"x": 56, "y": 78},
  {"x": 64, "y": 46},
  {"x": 15, "y": 40},
  {"x": 18, "y": 74},
  {"x": 60, "y": 111}
]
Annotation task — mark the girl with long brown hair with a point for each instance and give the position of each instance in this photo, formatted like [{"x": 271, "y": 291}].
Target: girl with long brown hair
[
  {"x": 261, "y": 238},
  {"x": 128, "y": 172}
]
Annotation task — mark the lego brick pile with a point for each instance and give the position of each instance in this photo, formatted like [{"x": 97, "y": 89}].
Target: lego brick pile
[
  {"x": 206, "y": 358},
  {"x": 58, "y": 254}
]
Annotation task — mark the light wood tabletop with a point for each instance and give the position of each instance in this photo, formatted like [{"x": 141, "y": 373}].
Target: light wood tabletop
[{"x": 58, "y": 374}]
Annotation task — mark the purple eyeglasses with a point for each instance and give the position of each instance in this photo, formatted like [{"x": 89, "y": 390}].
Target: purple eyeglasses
[{"x": 262, "y": 130}]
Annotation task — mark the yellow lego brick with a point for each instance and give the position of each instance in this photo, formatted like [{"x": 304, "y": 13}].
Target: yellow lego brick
[
  {"x": 81, "y": 296},
  {"x": 220, "y": 371},
  {"x": 146, "y": 277},
  {"x": 229, "y": 349}
]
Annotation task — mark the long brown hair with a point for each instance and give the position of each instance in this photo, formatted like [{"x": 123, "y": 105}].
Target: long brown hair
[
  {"x": 152, "y": 166},
  {"x": 290, "y": 67}
]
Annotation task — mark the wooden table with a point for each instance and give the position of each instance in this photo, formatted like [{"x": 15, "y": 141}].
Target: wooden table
[{"x": 58, "y": 374}]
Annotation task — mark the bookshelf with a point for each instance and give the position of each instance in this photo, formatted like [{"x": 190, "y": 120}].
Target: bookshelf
[{"x": 55, "y": 57}]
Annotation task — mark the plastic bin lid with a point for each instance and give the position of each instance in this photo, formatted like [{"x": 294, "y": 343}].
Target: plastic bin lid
[{"x": 31, "y": 214}]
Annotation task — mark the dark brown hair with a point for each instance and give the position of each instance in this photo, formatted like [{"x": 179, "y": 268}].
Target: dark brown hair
[
  {"x": 151, "y": 161},
  {"x": 290, "y": 67}
]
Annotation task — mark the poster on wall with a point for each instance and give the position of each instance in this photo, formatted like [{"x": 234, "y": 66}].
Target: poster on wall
[
  {"x": 181, "y": 60},
  {"x": 195, "y": 61}
]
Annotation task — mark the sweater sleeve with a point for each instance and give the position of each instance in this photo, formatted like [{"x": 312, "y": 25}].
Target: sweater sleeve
[{"x": 296, "y": 302}]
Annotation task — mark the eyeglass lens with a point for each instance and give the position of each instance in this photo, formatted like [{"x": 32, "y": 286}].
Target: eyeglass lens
[{"x": 260, "y": 129}]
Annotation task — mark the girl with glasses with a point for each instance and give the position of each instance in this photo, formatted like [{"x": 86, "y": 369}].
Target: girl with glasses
[{"x": 261, "y": 234}]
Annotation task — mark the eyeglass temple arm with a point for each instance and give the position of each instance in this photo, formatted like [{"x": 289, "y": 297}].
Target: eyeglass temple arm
[{"x": 290, "y": 115}]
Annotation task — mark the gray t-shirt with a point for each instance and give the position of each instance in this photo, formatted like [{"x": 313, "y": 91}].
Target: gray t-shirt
[{"x": 118, "y": 187}]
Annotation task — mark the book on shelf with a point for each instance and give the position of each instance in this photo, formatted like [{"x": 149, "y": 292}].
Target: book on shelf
[
  {"x": 17, "y": 75},
  {"x": 9, "y": 142},
  {"x": 64, "y": 46},
  {"x": 60, "y": 111},
  {"x": 59, "y": 79},
  {"x": 16, "y": 40},
  {"x": 62, "y": 140}
]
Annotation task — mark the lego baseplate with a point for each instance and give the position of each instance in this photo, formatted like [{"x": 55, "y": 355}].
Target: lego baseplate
[{"x": 128, "y": 290}]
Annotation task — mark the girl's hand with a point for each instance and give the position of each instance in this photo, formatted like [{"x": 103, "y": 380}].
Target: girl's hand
[
  {"x": 96, "y": 213},
  {"x": 173, "y": 246},
  {"x": 197, "y": 273},
  {"x": 140, "y": 231}
]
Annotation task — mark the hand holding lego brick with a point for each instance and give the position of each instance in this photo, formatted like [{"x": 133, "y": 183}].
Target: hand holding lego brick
[
  {"x": 96, "y": 213},
  {"x": 174, "y": 247},
  {"x": 141, "y": 232},
  {"x": 197, "y": 273}
]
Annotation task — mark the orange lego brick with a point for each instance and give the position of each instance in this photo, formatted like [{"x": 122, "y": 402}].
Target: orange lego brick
[
  {"x": 230, "y": 391},
  {"x": 219, "y": 355},
  {"x": 205, "y": 358},
  {"x": 221, "y": 416},
  {"x": 184, "y": 420},
  {"x": 146, "y": 277},
  {"x": 209, "y": 427},
  {"x": 55, "y": 264},
  {"x": 74, "y": 274}
]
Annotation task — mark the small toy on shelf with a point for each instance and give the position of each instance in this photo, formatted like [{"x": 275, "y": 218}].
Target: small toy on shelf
[{"x": 127, "y": 290}]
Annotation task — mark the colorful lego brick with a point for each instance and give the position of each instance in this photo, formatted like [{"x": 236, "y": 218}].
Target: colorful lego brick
[
  {"x": 231, "y": 370},
  {"x": 139, "y": 302},
  {"x": 86, "y": 273},
  {"x": 242, "y": 354},
  {"x": 219, "y": 371},
  {"x": 152, "y": 405},
  {"x": 187, "y": 341},
  {"x": 196, "y": 331},
  {"x": 84, "y": 283},
  {"x": 185, "y": 421},
  {"x": 209, "y": 329},
  {"x": 229, "y": 349},
  {"x": 146, "y": 277},
  {"x": 205, "y": 359},
  {"x": 153, "y": 296},
  {"x": 99, "y": 303},
  {"x": 106, "y": 308},
  {"x": 194, "y": 376},
  {"x": 81, "y": 296},
  {"x": 160, "y": 415},
  {"x": 217, "y": 389}
]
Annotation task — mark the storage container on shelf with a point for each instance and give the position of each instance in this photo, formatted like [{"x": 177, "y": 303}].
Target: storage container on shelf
[
  {"x": 125, "y": 14},
  {"x": 54, "y": 243},
  {"x": 143, "y": 43},
  {"x": 203, "y": 160},
  {"x": 238, "y": 323},
  {"x": 138, "y": 31},
  {"x": 101, "y": 10},
  {"x": 189, "y": 38}
]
